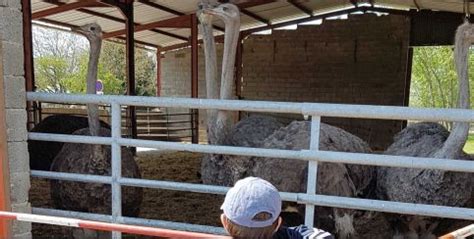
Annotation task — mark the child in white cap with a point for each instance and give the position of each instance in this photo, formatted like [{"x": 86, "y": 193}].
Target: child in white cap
[{"x": 252, "y": 210}]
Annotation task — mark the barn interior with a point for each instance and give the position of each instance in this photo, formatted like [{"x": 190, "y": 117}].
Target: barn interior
[{"x": 332, "y": 51}]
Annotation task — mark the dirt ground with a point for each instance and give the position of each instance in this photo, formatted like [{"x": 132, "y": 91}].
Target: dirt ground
[{"x": 167, "y": 205}]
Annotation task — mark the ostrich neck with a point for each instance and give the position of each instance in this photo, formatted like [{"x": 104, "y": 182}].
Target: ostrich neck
[
  {"x": 92, "y": 68},
  {"x": 224, "y": 118},
  {"x": 212, "y": 83},
  {"x": 232, "y": 28},
  {"x": 457, "y": 138}
]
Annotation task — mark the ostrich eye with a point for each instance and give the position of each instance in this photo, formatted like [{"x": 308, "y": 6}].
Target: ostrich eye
[
  {"x": 92, "y": 28},
  {"x": 225, "y": 9}
]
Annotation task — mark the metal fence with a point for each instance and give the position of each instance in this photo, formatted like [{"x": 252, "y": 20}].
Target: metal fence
[{"x": 313, "y": 155}]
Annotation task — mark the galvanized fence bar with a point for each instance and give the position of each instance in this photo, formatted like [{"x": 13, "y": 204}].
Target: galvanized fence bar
[
  {"x": 317, "y": 199},
  {"x": 321, "y": 156},
  {"x": 313, "y": 155},
  {"x": 323, "y": 109},
  {"x": 116, "y": 130},
  {"x": 312, "y": 169}
]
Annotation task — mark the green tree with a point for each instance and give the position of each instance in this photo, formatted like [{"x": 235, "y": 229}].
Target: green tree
[
  {"x": 434, "y": 80},
  {"x": 61, "y": 64}
]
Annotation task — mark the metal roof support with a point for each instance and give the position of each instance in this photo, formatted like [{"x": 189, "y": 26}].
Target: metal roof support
[
  {"x": 301, "y": 7},
  {"x": 255, "y": 16},
  {"x": 28, "y": 60},
  {"x": 161, "y": 7},
  {"x": 65, "y": 7},
  {"x": 194, "y": 77},
  {"x": 158, "y": 72},
  {"x": 177, "y": 22},
  {"x": 104, "y": 3}
]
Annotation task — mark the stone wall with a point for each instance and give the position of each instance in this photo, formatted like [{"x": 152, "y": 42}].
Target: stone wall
[
  {"x": 11, "y": 36},
  {"x": 361, "y": 60}
]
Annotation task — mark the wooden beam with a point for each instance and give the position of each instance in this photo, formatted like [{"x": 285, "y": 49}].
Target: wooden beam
[
  {"x": 176, "y": 22},
  {"x": 65, "y": 7},
  {"x": 301, "y": 7},
  {"x": 194, "y": 76}
]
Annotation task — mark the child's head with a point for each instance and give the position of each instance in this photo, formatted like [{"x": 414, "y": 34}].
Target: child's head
[{"x": 251, "y": 209}]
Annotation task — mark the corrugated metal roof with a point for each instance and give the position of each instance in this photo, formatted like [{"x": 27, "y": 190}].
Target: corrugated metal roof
[{"x": 274, "y": 11}]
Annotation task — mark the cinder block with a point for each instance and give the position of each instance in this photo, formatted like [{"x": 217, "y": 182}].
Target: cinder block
[
  {"x": 16, "y": 4},
  {"x": 23, "y": 236},
  {"x": 22, "y": 207},
  {"x": 13, "y": 58},
  {"x": 19, "y": 157},
  {"x": 16, "y": 125},
  {"x": 11, "y": 29},
  {"x": 20, "y": 185},
  {"x": 15, "y": 97}
]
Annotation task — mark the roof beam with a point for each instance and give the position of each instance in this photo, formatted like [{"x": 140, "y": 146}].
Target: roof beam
[
  {"x": 161, "y": 7},
  {"x": 67, "y": 25},
  {"x": 177, "y": 22},
  {"x": 112, "y": 18},
  {"x": 65, "y": 7},
  {"x": 255, "y": 16},
  {"x": 301, "y": 7}
]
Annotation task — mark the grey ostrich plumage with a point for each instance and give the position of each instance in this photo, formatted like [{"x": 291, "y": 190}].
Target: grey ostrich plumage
[{"x": 432, "y": 140}]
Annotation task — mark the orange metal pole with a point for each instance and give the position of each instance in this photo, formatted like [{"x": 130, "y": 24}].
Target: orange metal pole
[{"x": 4, "y": 175}]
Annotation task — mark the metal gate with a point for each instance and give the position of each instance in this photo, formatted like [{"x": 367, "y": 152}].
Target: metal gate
[{"x": 313, "y": 155}]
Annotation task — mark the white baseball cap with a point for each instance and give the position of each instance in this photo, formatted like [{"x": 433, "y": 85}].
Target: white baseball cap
[{"x": 249, "y": 197}]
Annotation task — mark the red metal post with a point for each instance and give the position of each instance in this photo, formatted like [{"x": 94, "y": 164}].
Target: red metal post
[
  {"x": 194, "y": 76},
  {"x": 158, "y": 72}
]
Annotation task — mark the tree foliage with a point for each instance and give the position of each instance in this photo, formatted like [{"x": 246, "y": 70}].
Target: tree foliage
[
  {"x": 434, "y": 80},
  {"x": 61, "y": 64}
]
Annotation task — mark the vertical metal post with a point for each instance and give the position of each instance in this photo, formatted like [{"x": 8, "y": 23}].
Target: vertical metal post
[
  {"x": 28, "y": 60},
  {"x": 312, "y": 168},
  {"x": 116, "y": 167},
  {"x": 406, "y": 96},
  {"x": 158, "y": 72},
  {"x": 194, "y": 78},
  {"x": 128, "y": 11}
]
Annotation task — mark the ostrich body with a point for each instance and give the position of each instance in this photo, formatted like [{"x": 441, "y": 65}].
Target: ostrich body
[
  {"x": 93, "y": 159},
  {"x": 290, "y": 175},
  {"x": 42, "y": 153},
  {"x": 424, "y": 139},
  {"x": 249, "y": 132}
]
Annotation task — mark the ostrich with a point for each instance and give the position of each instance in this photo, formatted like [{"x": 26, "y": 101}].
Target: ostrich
[
  {"x": 333, "y": 178},
  {"x": 42, "y": 153},
  {"x": 92, "y": 159},
  {"x": 225, "y": 169},
  {"x": 427, "y": 139},
  {"x": 267, "y": 132}
]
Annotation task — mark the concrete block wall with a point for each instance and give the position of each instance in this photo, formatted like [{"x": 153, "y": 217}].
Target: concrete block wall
[
  {"x": 11, "y": 37},
  {"x": 361, "y": 60}
]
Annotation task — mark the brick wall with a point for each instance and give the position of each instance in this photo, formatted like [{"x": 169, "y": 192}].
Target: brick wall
[
  {"x": 11, "y": 37},
  {"x": 361, "y": 60}
]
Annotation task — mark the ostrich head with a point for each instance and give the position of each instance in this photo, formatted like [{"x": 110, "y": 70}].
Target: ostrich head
[
  {"x": 224, "y": 11},
  {"x": 92, "y": 31}
]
